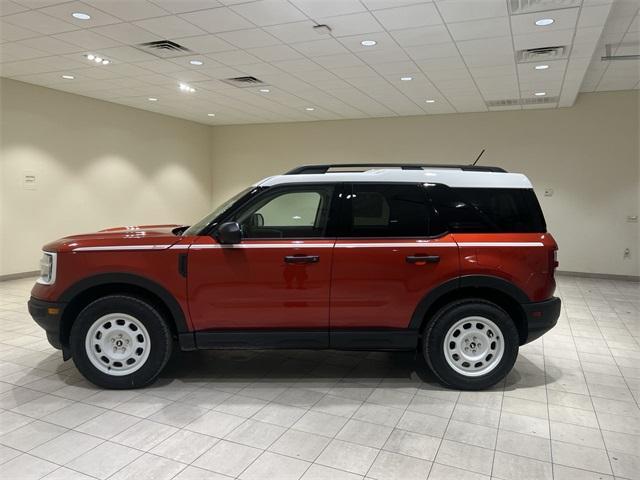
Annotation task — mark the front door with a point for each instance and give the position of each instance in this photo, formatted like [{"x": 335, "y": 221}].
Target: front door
[
  {"x": 387, "y": 258},
  {"x": 278, "y": 277}
]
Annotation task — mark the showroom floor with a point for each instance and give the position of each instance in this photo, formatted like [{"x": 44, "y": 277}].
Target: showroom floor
[{"x": 569, "y": 410}]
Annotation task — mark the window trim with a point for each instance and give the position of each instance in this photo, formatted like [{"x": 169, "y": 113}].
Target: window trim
[
  {"x": 345, "y": 211},
  {"x": 334, "y": 200}
]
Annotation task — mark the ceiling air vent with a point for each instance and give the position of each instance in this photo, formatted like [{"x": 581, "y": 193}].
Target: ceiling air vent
[
  {"x": 244, "y": 82},
  {"x": 528, "y": 6},
  {"x": 541, "y": 54},
  {"x": 164, "y": 49},
  {"x": 512, "y": 102}
]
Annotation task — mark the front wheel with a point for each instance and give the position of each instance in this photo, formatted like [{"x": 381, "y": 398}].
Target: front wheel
[
  {"x": 470, "y": 344},
  {"x": 120, "y": 342}
]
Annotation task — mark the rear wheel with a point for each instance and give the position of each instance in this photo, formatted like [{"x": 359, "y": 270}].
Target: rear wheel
[
  {"x": 120, "y": 342},
  {"x": 471, "y": 344}
]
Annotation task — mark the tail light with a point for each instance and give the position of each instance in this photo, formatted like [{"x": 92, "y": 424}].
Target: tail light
[{"x": 553, "y": 259}]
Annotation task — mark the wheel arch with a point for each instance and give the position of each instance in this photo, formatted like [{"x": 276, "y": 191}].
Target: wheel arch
[
  {"x": 494, "y": 289},
  {"x": 91, "y": 288}
]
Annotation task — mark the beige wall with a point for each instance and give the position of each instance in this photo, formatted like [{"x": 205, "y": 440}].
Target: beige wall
[
  {"x": 588, "y": 154},
  {"x": 97, "y": 165}
]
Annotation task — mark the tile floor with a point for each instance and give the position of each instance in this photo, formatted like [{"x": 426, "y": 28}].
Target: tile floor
[{"x": 569, "y": 410}]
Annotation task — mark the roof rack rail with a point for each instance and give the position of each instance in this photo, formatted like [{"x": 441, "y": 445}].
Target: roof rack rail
[{"x": 311, "y": 169}]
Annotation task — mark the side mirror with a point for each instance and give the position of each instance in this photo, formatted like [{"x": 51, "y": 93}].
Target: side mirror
[{"x": 229, "y": 233}]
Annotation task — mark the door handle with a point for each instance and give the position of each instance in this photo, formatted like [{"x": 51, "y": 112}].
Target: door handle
[
  {"x": 300, "y": 259},
  {"x": 422, "y": 259}
]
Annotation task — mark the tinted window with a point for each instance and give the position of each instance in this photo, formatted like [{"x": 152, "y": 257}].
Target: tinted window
[
  {"x": 487, "y": 209},
  {"x": 287, "y": 213},
  {"x": 378, "y": 210}
]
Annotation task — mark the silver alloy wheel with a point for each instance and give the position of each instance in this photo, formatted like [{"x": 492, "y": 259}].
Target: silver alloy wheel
[
  {"x": 117, "y": 344},
  {"x": 473, "y": 346}
]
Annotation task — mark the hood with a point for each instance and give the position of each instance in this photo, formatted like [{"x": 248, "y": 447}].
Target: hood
[{"x": 158, "y": 236}]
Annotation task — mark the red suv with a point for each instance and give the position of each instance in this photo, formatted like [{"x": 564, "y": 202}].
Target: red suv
[{"x": 453, "y": 261}]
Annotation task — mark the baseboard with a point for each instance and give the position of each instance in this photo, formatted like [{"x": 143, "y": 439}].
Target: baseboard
[
  {"x": 606, "y": 276},
  {"x": 17, "y": 276}
]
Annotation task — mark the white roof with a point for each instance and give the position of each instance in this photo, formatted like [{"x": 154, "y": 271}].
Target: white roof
[{"x": 446, "y": 176}]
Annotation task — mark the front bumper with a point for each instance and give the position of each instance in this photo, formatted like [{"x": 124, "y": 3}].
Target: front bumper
[
  {"x": 48, "y": 315},
  {"x": 541, "y": 317}
]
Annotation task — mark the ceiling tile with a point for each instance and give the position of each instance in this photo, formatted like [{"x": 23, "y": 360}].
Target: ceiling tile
[
  {"x": 205, "y": 44},
  {"x": 128, "y": 10},
  {"x": 408, "y": 17},
  {"x": 354, "y": 42},
  {"x": 439, "y": 50},
  {"x": 421, "y": 36},
  {"x": 486, "y": 46},
  {"x": 234, "y": 57},
  {"x": 249, "y": 38},
  {"x": 275, "y": 53},
  {"x": 9, "y": 8},
  {"x": 217, "y": 20},
  {"x": 11, "y": 33},
  {"x": 341, "y": 60},
  {"x": 50, "y": 45},
  {"x": 485, "y": 28},
  {"x": 353, "y": 24},
  {"x": 15, "y": 52},
  {"x": 463, "y": 10},
  {"x": 183, "y": 6},
  {"x": 294, "y": 32},
  {"x": 541, "y": 40},
  {"x": 328, "y": 46},
  {"x": 64, "y": 12},
  {"x": 328, "y": 8},
  {"x": 526, "y": 23},
  {"x": 380, "y": 4},
  {"x": 126, "y": 54},
  {"x": 383, "y": 56},
  {"x": 39, "y": 22},
  {"x": 169, "y": 27},
  {"x": 127, "y": 33},
  {"x": 87, "y": 39},
  {"x": 269, "y": 12}
]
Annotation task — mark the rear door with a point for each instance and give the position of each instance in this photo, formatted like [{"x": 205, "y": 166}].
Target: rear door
[{"x": 386, "y": 258}]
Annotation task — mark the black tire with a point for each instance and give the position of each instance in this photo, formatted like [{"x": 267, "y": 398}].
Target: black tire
[
  {"x": 160, "y": 341},
  {"x": 444, "y": 319}
]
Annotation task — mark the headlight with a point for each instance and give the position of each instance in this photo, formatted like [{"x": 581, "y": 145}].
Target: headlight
[{"x": 47, "y": 268}]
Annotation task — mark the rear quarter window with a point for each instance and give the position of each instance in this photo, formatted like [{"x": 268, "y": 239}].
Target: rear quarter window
[{"x": 513, "y": 210}]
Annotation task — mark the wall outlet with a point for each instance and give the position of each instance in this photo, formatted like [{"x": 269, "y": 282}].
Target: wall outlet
[{"x": 548, "y": 192}]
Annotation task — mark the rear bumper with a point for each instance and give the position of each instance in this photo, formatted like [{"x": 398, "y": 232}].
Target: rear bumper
[
  {"x": 541, "y": 317},
  {"x": 48, "y": 316}
]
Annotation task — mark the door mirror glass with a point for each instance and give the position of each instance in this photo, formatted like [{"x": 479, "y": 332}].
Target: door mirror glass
[{"x": 229, "y": 233}]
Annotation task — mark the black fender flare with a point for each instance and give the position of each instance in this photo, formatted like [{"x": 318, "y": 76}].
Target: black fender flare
[
  {"x": 130, "y": 279},
  {"x": 476, "y": 281}
]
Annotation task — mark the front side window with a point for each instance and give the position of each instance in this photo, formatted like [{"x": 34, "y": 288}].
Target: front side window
[
  {"x": 387, "y": 210},
  {"x": 288, "y": 213}
]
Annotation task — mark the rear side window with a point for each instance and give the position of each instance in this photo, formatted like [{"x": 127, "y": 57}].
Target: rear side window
[
  {"x": 387, "y": 210},
  {"x": 512, "y": 210}
]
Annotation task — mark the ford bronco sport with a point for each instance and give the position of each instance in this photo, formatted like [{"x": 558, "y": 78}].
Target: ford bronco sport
[{"x": 454, "y": 262}]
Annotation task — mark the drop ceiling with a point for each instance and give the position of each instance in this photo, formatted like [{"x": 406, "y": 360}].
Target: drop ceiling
[{"x": 461, "y": 55}]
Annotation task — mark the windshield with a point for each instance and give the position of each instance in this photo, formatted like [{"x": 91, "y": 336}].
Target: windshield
[{"x": 196, "y": 228}]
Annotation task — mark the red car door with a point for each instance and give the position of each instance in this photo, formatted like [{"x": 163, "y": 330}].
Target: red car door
[
  {"x": 278, "y": 276},
  {"x": 385, "y": 260}
]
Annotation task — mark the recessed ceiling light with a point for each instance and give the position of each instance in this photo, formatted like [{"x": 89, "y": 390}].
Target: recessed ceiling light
[
  {"x": 211, "y": 114},
  {"x": 186, "y": 88},
  {"x": 309, "y": 109},
  {"x": 541, "y": 67},
  {"x": 81, "y": 16},
  {"x": 540, "y": 94},
  {"x": 368, "y": 43},
  {"x": 98, "y": 59},
  {"x": 543, "y": 22},
  {"x": 106, "y": 62},
  {"x": 91, "y": 56},
  {"x": 68, "y": 77},
  {"x": 152, "y": 99},
  {"x": 430, "y": 101},
  {"x": 195, "y": 62},
  {"x": 406, "y": 79},
  {"x": 265, "y": 90}
]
